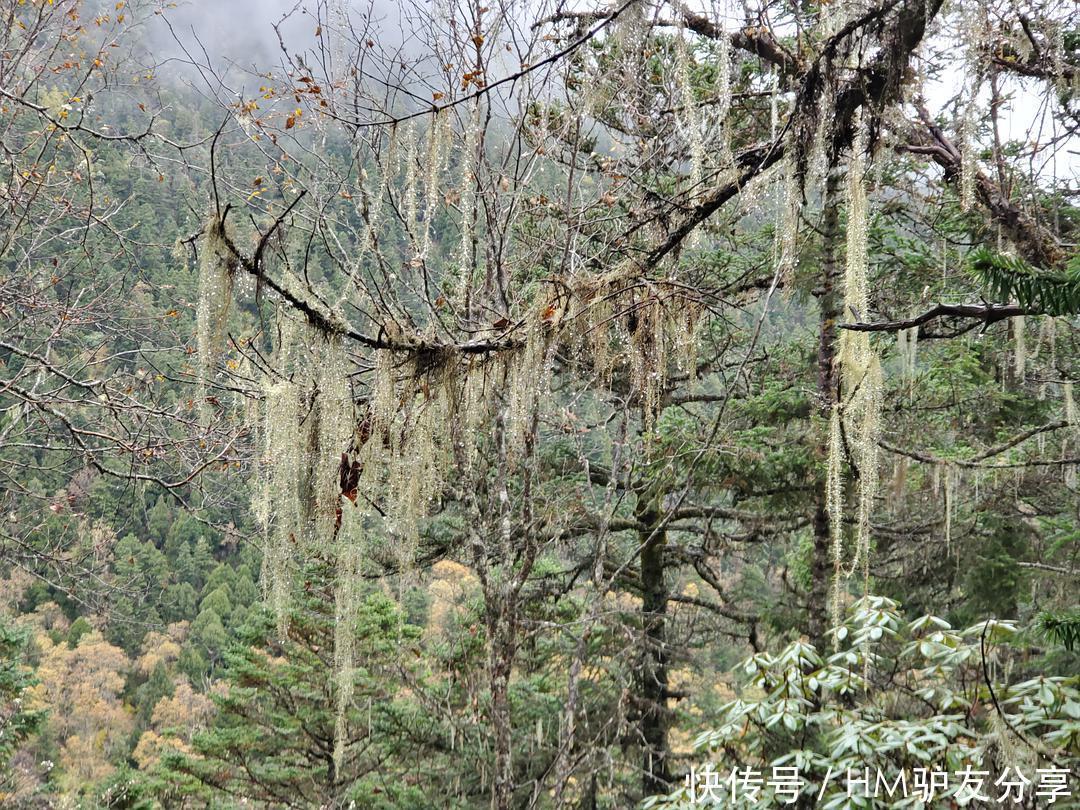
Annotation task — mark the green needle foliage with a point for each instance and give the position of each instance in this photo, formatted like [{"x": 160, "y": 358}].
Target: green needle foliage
[
  {"x": 1062, "y": 627},
  {"x": 1043, "y": 291},
  {"x": 272, "y": 739}
]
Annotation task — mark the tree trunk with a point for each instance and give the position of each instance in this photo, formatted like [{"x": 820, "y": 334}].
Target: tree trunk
[
  {"x": 821, "y": 561},
  {"x": 502, "y": 591},
  {"x": 503, "y": 634},
  {"x": 655, "y": 718}
]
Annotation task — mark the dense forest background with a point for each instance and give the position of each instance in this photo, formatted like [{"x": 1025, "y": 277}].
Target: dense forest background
[{"x": 519, "y": 404}]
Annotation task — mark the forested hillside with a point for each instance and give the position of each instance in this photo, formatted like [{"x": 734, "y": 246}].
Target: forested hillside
[{"x": 539, "y": 404}]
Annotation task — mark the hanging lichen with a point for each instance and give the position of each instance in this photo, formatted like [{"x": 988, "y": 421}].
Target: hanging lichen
[
  {"x": 859, "y": 409},
  {"x": 687, "y": 118},
  {"x": 434, "y": 161},
  {"x": 630, "y": 35},
  {"x": 1020, "y": 348},
  {"x": 648, "y": 355},
  {"x": 832, "y": 18},
  {"x": 788, "y": 222},
  {"x": 948, "y": 477},
  {"x": 774, "y": 103},
  {"x": 216, "y": 264},
  {"x": 685, "y": 322},
  {"x": 249, "y": 403},
  {"x": 474, "y": 408},
  {"x": 594, "y": 318},
  {"x": 855, "y": 346},
  {"x": 899, "y": 481},
  {"x": 834, "y": 506},
  {"x": 404, "y": 445},
  {"x": 410, "y": 192},
  {"x": 723, "y": 98},
  {"x": 469, "y": 171},
  {"x": 615, "y": 324},
  {"x": 818, "y": 164},
  {"x": 1051, "y": 339},
  {"x": 346, "y": 603},
  {"x": 262, "y": 505},
  {"x": 383, "y": 391},
  {"x": 282, "y": 460},
  {"x": 973, "y": 35},
  {"x": 415, "y": 475},
  {"x": 907, "y": 345},
  {"x": 333, "y": 410},
  {"x": 968, "y": 161},
  {"x": 370, "y": 204},
  {"x": 866, "y": 451},
  {"x": 527, "y": 375}
]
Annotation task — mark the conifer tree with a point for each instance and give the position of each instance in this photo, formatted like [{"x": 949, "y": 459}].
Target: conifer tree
[{"x": 272, "y": 738}]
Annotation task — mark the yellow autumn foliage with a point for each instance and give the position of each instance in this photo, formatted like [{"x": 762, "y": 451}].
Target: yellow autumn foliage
[
  {"x": 451, "y": 587},
  {"x": 161, "y": 648},
  {"x": 173, "y": 723},
  {"x": 82, "y": 689}
]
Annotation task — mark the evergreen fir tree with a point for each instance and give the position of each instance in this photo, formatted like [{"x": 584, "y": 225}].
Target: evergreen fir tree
[{"x": 272, "y": 739}]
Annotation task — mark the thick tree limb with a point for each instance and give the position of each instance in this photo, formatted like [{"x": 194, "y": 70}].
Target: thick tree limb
[
  {"x": 1039, "y": 64},
  {"x": 979, "y": 459},
  {"x": 1056, "y": 569},
  {"x": 987, "y": 313},
  {"x": 758, "y": 41},
  {"x": 875, "y": 86},
  {"x": 329, "y": 323},
  {"x": 1034, "y": 242}
]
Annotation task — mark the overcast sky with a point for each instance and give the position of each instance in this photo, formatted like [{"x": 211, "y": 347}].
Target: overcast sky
[{"x": 242, "y": 31}]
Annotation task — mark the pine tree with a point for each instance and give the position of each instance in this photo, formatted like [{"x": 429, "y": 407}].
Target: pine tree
[
  {"x": 272, "y": 739},
  {"x": 158, "y": 521},
  {"x": 179, "y": 602},
  {"x": 209, "y": 632}
]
